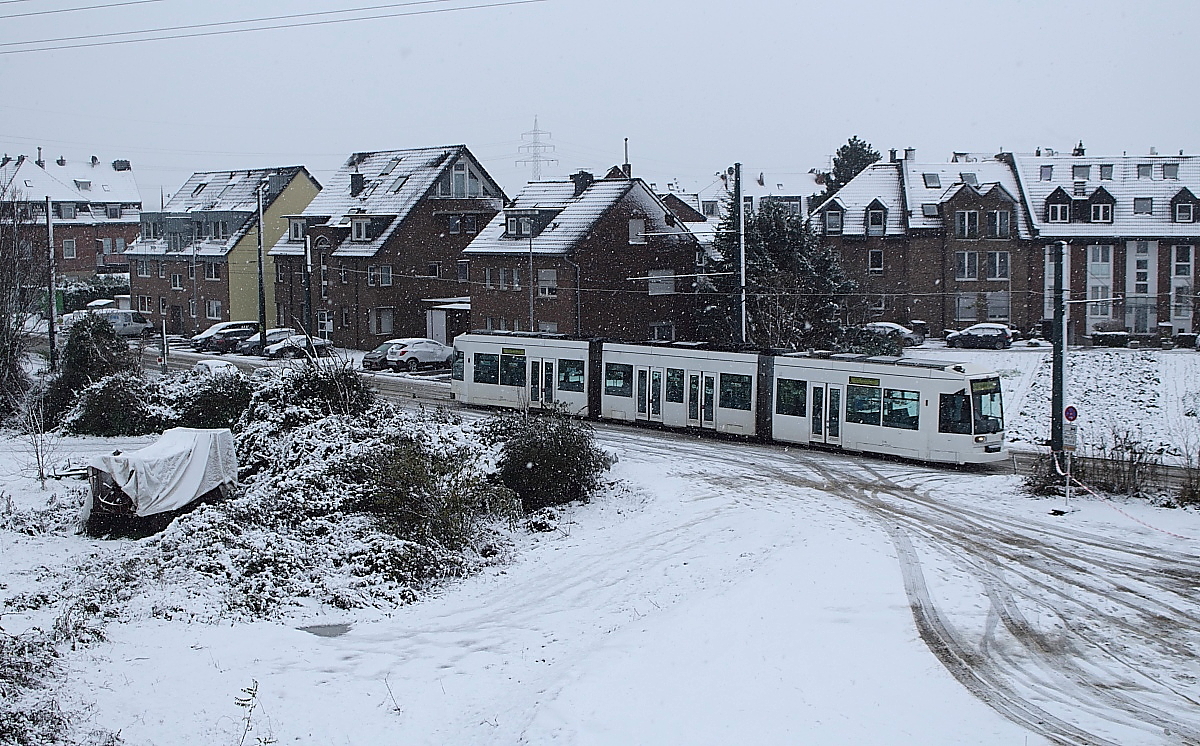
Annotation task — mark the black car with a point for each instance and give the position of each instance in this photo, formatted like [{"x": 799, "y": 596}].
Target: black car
[
  {"x": 986, "y": 336},
  {"x": 253, "y": 344},
  {"x": 228, "y": 339}
]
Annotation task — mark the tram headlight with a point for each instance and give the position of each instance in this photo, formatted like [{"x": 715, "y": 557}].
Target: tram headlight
[{"x": 980, "y": 438}]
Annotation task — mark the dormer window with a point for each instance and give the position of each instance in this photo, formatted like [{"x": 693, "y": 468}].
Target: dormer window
[
  {"x": 67, "y": 211},
  {"x": 83, "y": 185},
  {"x": 112, "y": 212},
  {"x": 297, "y": 230},
  {"x": 359, "y": 230},
  {"x": 875, "y": 222},
  {"x": 1058, "y": 213},
  {"x": 932, "y": 181},
  {"x": 1170, "y": 170},
  {"x": 833, "y": 222},
  {"x": 520, "y": 227},
  {"x": 1185, "y": 212},
  {"x": 1102, "y": 213},
  {"x": 1046, "y": 173}
]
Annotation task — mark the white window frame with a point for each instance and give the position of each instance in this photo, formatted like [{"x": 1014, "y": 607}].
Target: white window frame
[
  {"x": 1046, "y": 173},
  {"x": 385, "y": 275},
  {"x": 833, "y": 222},
  {"x": 1170, "y": 171},
  {"x": 1058, "y": 212},
  {"x": 875, "y": 261},
  {"x": 463, "y": 267},
  {"x": 547, "y": 283},
  {"x": 1181, "y": 267},
  {"x": 1100, "y": 306},
  {"x": 1146, "y": 202},
  {"x": 143, "y": 268},
  {"x": 999, "y": 223},
  {"x": 1102, "y": 213},
  {"x": 372, "y": 275},
  {"x": 177, "y": 281},
  {"x": 359, "y": 230},
  {"x": 68, "y": 249},
  {"x": 297, "y": 230},
  {"x": 1185, "y": 212},
  {"x": 212, "y": 271},
  {"x": 966, "y": 266},
  {"x": 999, "y": 265},
  {"x": 488, "y": 284},
  {"x": 876, "y": 228},
  {"x": 1145, "y": 171},
  {"x": 966, "y": 223},
  {"x": 212, "y": 309},
  {"x": 144, "y": 302},
  {"x": 1100, "y": 261}
]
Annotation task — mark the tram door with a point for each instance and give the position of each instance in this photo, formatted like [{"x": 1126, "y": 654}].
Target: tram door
[
  {"x": 826, "y": 402},
  {"x": 541, "y": 383},
  {"x": 701, "y": 399},
  {"x": 648, "y": 388}
]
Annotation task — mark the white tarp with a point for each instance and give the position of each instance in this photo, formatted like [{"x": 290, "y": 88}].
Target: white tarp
[{"x": 179, "y": 467}]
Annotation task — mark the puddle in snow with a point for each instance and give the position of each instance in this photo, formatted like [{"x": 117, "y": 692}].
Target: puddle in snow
[{"x": 327, "y": 630}]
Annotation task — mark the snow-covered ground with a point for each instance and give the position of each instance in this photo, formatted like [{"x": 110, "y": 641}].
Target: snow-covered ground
[{"x": 719, "y": 592}]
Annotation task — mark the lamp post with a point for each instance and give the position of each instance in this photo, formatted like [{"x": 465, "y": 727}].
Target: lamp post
[
  {"x": 262, "y": 293},
  {"x": 1058, "y": 368},
  {"x": 531, "y": 278}
]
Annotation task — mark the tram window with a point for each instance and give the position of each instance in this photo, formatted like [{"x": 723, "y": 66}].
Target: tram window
[
  {"x": 901, "y": 409},
  {"x": 862, "y": 404},
  {"x": 989, "y": 414},
  {"x": 512, "y": 370},
  {"x": 791, "y": 397},
  {"x": 456, "y": 370},
  {"x": 570, "y": 375},
  {"x": 735, "y": 391},
  {"x": 487, "y": 368},
  {"x": 694, "y": 397},
  {"x": 954, "y": 414},
  {"x": 618, "y": 379},
  {"x": 675, "y": 385}
]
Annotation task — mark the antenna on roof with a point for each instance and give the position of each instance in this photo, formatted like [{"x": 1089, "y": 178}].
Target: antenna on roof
[{"x": 536, "y": 150}]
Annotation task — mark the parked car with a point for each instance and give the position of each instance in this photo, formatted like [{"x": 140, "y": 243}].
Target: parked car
[
  {"x": 908, "y": 338},
  {"x": 227, "y": 340},
  {"x": 988, "y": 336},
  {"x": 216, "y": 368},
  {"x": 125, "y": 323},
  {"x": 200, "y": 340},
  {"x": 297, "y": 346},
  {"x": 416, "y": 352},
  {"x": 376, "y": 359},
  {"x": 253, "y": 345}
]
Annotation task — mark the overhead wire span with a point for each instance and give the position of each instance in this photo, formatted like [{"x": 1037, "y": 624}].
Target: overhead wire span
[
  {"x": 326, "y": 22},
  {"x": 103, "y": 6}
]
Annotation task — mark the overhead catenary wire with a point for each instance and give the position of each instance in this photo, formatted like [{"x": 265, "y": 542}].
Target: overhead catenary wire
[
  {"x": 103, "y": 6},
  {"x": 325, "y": 22}
]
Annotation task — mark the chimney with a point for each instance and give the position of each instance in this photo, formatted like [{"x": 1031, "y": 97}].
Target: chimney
[
  {"x": 356, "y": 184},
  {"x": 1153, "y": 151},
  {"x": 61, "y": 161},
  {"x": 95, "y": 161},
  {"x": 910, "y": 154},
  {"x": 276, "y": 183},
  {"x": 627, "y": 167},
  {"x": 40, "y": 163},
  {"x": 892, "y": 155},
  {"x": 582, "y": 180},
  {"x": 1078, "y": 151},
  {"x": 6, "y": 159}
]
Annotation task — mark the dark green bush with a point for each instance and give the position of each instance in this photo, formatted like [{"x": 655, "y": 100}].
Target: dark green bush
[
  {"x": 547, "y": 460},
  {"x": 121, "y": 404},
  {"x": 93, "y": 352},
  {"x": 208, "y": 401}
]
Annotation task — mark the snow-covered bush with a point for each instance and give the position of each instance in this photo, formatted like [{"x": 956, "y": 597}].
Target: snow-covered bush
[
  {"x": 206, "y": 401},
  {"x": 27, "y": 717},
  {"x": 547, "y": 460},
  {"x": 120, "y": 404},
  {"x": 93, "y": 351}
]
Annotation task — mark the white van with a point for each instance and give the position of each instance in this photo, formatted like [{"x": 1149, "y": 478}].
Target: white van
[{"x": 126, "y": 323}]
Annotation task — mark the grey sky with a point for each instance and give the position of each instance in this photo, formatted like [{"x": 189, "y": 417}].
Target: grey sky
[{"x": 693, "y": 85}]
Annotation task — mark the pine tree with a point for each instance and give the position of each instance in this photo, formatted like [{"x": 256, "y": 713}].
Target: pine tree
[{"x": 848, "y": 162}]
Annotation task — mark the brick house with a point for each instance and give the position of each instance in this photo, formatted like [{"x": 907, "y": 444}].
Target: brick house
[
  {"x": 386, "y": 236},
  {"x": 96, "y": 208},
  {"x": 196, "y": 261},
  {"x": 587, "y": 257},
  {"x": 1132, "y": 224}
]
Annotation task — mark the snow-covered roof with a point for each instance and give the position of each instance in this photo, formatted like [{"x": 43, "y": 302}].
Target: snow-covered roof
[
  {"x": 70, "y": 181},
  {"x": 879, "y": 181},
  {"x": 393, "y": 182},
  {"x": 1125, "y": 186},
  {"x": 225, "y": 191},
  {"x": 575, "y": 215},
  {"x": 934, "y": 183}
]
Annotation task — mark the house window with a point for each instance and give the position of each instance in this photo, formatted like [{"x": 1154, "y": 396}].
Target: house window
[
  {"x": 1184, "y": 212},
  {"x": 637, "y": 230},
  {"x": 547, "y": 280},
  {"x": 1170, "y": 170},
  {"x": 347, "y": 317},
  {"x": 177, "y": 282},
  {"x": 212, "y": 271},
  {"x": 997, "y": 223},
  {"x": 966, "y": 223},
  {"x": 503, "y": 278},
  {"x": 324, "y": 324},
  {"x": 1106, "y": 172},
  {"x": 932, "y": 181},
  {"x": 710, "y": 208},
  {"x": 464, "y": 270},
  {"x": 524, "y": 226},
  {"x": 548, "y": 327},
  {"x": 875, "y": 261},
  {"x": 875, "y": 223},
  {"x": 143, "y": 268},
  {"x": 997, "y": 304},
  {"x": 162, "y": 305},
  {"x": 372, "y": 276},
  {"x": 1081, "y": 173},
  {"x": 969, "y": 178},
  {"x": 516, "y": 279},
  {"x": 488, "y": 284},
  {"x": 470, "y": 224},
  {"x": 1100, "y": 306},
  {"x": 212, "y": 309},
  {"x": 144, "y": 302},
  {"x": 162, "y": 266},
  {"x": 359, "y": 230},
  {"x": 67, "y": 211},
  {"x": 120, "y": 246},
  {"x": 1080, "y": 189},
  {"x": 343, "y": 273},
  {"x": 192, "y": 307},
  {"x": 929, "y": 210},
  {"x": 663, "y": 331},
  {"x": 460, "y": 180},
  {"x": 1143, "y": 205},
  {"x": 997, "y": 265},
  {"x": 966, "y": 265},
  {"x": 967, "y": 306},
  {"x": 433, "y": 269},
  {"x": 385, "y": 275},
  {"x": 384, "y": 320},
  {"x": 69, "y": 247},
  {"x": 1183, "y": 261},
  {"x": 112, "y": 212},
  {"x": 192, "y": 271},
  {"x": 833, "y": 222},
  {"x": 323, "y": 275},
  {"x": 1059, "y": 213},
  {"x": 662, "y": 281},
  {"x": 1181, "y": 304},
  {"x": 511, "y": 227},
  {"x": 455, "y": 224},
  {"x": 1102, "y": 213},
  {"x": 1145, "y": 171},
  {"x": 1099, "y": 261},
  {"x": 1046, "y": 173},
  {"x": 297, "y": 233}
]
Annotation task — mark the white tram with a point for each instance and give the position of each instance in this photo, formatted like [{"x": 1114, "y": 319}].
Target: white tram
[{"x": 910, "y": 407}]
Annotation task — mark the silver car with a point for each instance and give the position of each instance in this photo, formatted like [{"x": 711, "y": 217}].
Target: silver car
[
  {"x": 908, "y": 338},
  {"x": 417, "y": 352}
]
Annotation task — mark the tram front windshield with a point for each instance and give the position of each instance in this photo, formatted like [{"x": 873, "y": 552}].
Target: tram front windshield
[{"x": 987, "y": 406}]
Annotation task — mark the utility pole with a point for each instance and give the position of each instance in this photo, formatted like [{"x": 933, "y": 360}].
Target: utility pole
[
  {"x": 52, "y": 301},
  {"x": 307, "y": 320},
  {"x": 1059, "y": 366},
  {"x": 531, "y": 278},
  {"x": 741, "y": 223},
  {"x": 262, "y": 294}
]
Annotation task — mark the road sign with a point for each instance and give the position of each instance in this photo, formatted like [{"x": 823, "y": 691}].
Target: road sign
[
  {"x": 1070, "y": 436},
  {"x": 1070, "y": 413}
]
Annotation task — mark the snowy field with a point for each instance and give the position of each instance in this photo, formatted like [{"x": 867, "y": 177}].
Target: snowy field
[{"x": 718, "y": 593}]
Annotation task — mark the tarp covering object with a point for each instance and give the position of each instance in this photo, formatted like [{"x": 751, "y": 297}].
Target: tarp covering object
[{"x": 179, "y": 467}]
